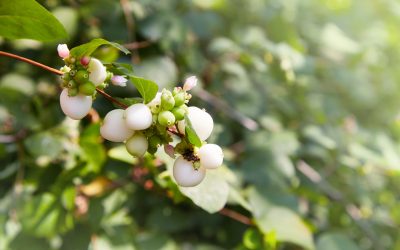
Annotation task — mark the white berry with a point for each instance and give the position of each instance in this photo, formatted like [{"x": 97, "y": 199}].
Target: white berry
[
  {"x": 211, "y": 156},
  {"x": 185, "y": 174},
  {"x": 137, "y": 145},
  {"x": 138, "y": 117},
  {"x": 75, "y": 107},
  {"x": 114, "y": 127},
  {"x": 97, "y": 72},
  {"x": 202, "y": 122}
]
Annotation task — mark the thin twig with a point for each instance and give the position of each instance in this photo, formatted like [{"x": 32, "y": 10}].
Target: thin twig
[
  {"x": 55, "y": 71},
  {"x": 236, "y": 216}
]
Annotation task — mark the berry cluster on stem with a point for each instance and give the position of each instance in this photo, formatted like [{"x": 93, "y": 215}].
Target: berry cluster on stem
[{"x": 144, "y": 127}]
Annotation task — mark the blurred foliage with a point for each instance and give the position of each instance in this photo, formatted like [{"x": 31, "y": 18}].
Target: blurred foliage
[{"x": 305, "y": 95}]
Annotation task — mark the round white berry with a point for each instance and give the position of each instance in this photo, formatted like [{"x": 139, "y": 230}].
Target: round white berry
[
  {"x": 185, "y": 174},
  {"x": 211, "y": 156},
  {"x": 114, "y": 127},
  {"x": 137, "y": 145},
  {"x": 75, "y": 107},
  {"x": 97, "y": 72},
  {"x": 202, "y": 122},
  {"x": 138, "y": 116}
]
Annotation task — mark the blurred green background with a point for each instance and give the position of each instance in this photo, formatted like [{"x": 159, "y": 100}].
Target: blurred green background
[{"x": 305, "y": 98}]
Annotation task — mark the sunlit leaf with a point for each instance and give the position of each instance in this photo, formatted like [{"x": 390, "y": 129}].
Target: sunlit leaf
[
  {"x": 28, "y": 19},
  {"x": 90, "y": 47},
  {"x": 147, "y": 88}
]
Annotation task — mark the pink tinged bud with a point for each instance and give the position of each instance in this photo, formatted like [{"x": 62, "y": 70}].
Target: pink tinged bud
[
  {"x": 119, "y": 80},
  {"x": 190, "y": 83},
  {"x": 63, "y": 51},
  {"x": 85, "y": 60},
  {"x": 169, "y": 150}
]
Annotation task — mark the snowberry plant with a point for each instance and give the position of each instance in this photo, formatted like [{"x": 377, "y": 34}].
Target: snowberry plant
[{"x": 157, "y": 119}]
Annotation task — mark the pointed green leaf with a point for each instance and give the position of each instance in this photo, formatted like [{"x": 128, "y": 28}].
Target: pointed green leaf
[
  {"x": 190, "y": 133},
  {"x": 147, "y": 88},
  {"x": 28, "y": 19},
  {"x": 88, "y": 48}
]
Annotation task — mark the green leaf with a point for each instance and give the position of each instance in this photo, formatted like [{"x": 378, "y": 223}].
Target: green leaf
[
  {"x": 211, "y": 194},
  {"x": 190, "y": 133},
  {"x": 147, "y": 88},
  {"x": 283, "y": 222},
  {"x": 120, "y": 68},
  {"x": 335, "y": 241},
  {"x": 92, "y": 149},
  {"x": 88, "y": 48},
  {"x": 28, "y": 19},
  {"x": 44, "y": 144},
  {"x": 44, "y": 216}
]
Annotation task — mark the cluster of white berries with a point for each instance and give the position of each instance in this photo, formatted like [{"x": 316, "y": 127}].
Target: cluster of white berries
[
  {"x": 144, "y": 127},
  {"x": 79, "y": 82}
]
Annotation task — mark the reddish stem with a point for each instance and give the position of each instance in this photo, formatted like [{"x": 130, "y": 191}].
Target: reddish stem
[
  {"x": 55, "y": 71},
  {"x": 236, "y": 216}
]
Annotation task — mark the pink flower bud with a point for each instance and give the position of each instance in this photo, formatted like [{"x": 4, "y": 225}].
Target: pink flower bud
[
  {"x": 169, "y": 150},
  {"x": 85, "y": 60},
  {"x": 63, "y": 51},
  {"x": 119, "y": 80},
  {"x": 190, "y": 83}
]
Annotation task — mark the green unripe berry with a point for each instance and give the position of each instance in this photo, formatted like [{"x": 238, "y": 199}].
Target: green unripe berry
[
  {"x": 66, "y": 77},
  {"x": 179, "y": 99},
  {"x": 167, "y": 100},
  {"x": 166, "y": 118},
  {"x": 72, "y": 72},
  {"x": 87, "y": 88},
  {"x": 72, "y": 91},
  {"x": 81, "y": 76},
  {"x": 179, "y": 112},
  {"x": 71, "y": 84}
]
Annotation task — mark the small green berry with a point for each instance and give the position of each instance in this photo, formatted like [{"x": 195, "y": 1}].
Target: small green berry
[
  {"x": 166, "y": 118},
  {"x": 66, "y": 77},
  {"x": 71, "y": 84},
  {"x": 81, "y": 76},
  {"x": 87, "y": 88},
  {"x": 179, "y": 99},
  {"x": 179, "y": 112},
  {"x": 167, "y": 100}
]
